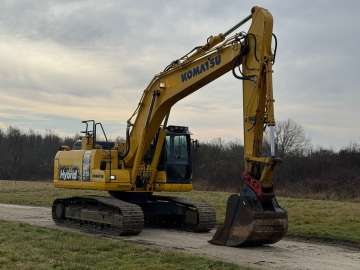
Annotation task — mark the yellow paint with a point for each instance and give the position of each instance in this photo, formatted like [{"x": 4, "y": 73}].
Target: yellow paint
[
  {"x": 173, "y": 187},
  {"x": 93, "y": 185}
]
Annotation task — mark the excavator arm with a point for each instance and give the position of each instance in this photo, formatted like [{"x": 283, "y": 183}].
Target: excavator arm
[{"x": 254, "y": 217}]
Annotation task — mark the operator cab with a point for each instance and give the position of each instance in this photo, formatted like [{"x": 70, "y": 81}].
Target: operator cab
[{"x": 176, "y": 155}]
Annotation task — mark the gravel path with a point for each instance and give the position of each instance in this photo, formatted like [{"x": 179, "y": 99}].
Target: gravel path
[{"x": 286, "y": 254}]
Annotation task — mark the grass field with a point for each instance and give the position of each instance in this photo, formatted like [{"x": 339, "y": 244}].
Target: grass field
[
  {"x": 26, "y": 247},
  {"x": 319, "y": 219}
]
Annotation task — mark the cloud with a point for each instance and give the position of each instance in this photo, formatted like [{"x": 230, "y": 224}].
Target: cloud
[
  {"x": 63, "y": 61},
  {"x": 45, "y": 78}
]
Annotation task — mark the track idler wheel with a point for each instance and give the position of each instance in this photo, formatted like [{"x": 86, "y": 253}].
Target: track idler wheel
[
  {"x": 58, "y": 211},
  {"x": 249, "y": 222}
]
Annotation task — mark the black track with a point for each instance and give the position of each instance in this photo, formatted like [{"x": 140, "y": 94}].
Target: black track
[
  {"x": 131, "y": 215},
  {"x": 128, "y": 217}
]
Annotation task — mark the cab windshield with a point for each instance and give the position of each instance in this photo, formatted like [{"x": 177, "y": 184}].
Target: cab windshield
[
  {"x": 178, "y": 162},
  {"x": 177, "y": 148}
]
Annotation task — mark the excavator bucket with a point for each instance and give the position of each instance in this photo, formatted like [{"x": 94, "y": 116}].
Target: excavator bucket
[{"x": 251, "y": 222}]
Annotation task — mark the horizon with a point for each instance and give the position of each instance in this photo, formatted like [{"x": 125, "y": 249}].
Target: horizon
[{"x": 224, "y": 141}]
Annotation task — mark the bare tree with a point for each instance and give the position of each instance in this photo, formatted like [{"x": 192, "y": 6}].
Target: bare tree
[{"x": 290, "y": 138}]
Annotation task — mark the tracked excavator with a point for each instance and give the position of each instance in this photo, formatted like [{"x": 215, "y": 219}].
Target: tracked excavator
[{"x": 156, "y": 157}]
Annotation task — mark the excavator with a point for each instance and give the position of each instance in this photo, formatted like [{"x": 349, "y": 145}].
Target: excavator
[{"x": 156, "y": 157}]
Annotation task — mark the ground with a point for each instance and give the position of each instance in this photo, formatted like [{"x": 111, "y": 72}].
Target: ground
[
  {"x": 286, "y": 254},
  {"x": 311, "y": 219},
  {"x": 27, "y": 247},
  {"x": 314, "y": 219}
]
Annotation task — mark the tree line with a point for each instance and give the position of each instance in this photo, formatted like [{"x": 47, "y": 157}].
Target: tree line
[
  {"x": 28, "y": 156},
  {"x": 217, "y": 165},
  {"x": 320, "y": 173},
  {"x": 304, "y": 171}
]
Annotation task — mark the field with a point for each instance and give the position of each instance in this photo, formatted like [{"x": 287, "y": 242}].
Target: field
[
  {"x": 310, "y": 219},
  {"x": 26, "y": 247}
]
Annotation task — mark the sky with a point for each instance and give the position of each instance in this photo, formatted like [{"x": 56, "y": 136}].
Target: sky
[{"x": 65, "y": 61}]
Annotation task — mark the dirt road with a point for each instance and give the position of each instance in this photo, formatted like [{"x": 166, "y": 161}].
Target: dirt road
[{"x": 287, "y": 254}]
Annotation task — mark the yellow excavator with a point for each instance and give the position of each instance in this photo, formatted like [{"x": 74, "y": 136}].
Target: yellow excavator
[{"x": 156, "y": 157}]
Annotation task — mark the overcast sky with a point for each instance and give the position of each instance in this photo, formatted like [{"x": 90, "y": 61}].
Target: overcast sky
[{"x": 64, "y": 61}]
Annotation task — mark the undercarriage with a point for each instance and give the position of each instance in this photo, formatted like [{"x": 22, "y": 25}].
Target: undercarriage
[{"x": 128, "y": 213}]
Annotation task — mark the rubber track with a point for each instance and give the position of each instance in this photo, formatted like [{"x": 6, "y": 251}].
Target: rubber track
[{"x": 133, "y": 218}]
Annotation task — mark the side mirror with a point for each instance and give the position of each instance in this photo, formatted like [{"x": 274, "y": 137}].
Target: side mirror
[{"x": 195, "y": 144}]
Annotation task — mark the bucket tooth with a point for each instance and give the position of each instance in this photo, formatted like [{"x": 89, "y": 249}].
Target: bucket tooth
[{"x": 249, "y": 222}]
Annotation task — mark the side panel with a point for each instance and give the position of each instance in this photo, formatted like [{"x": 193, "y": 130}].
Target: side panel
[
  {"x": 69, "y": 165},
  {"x": 91, "y": 170}
]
